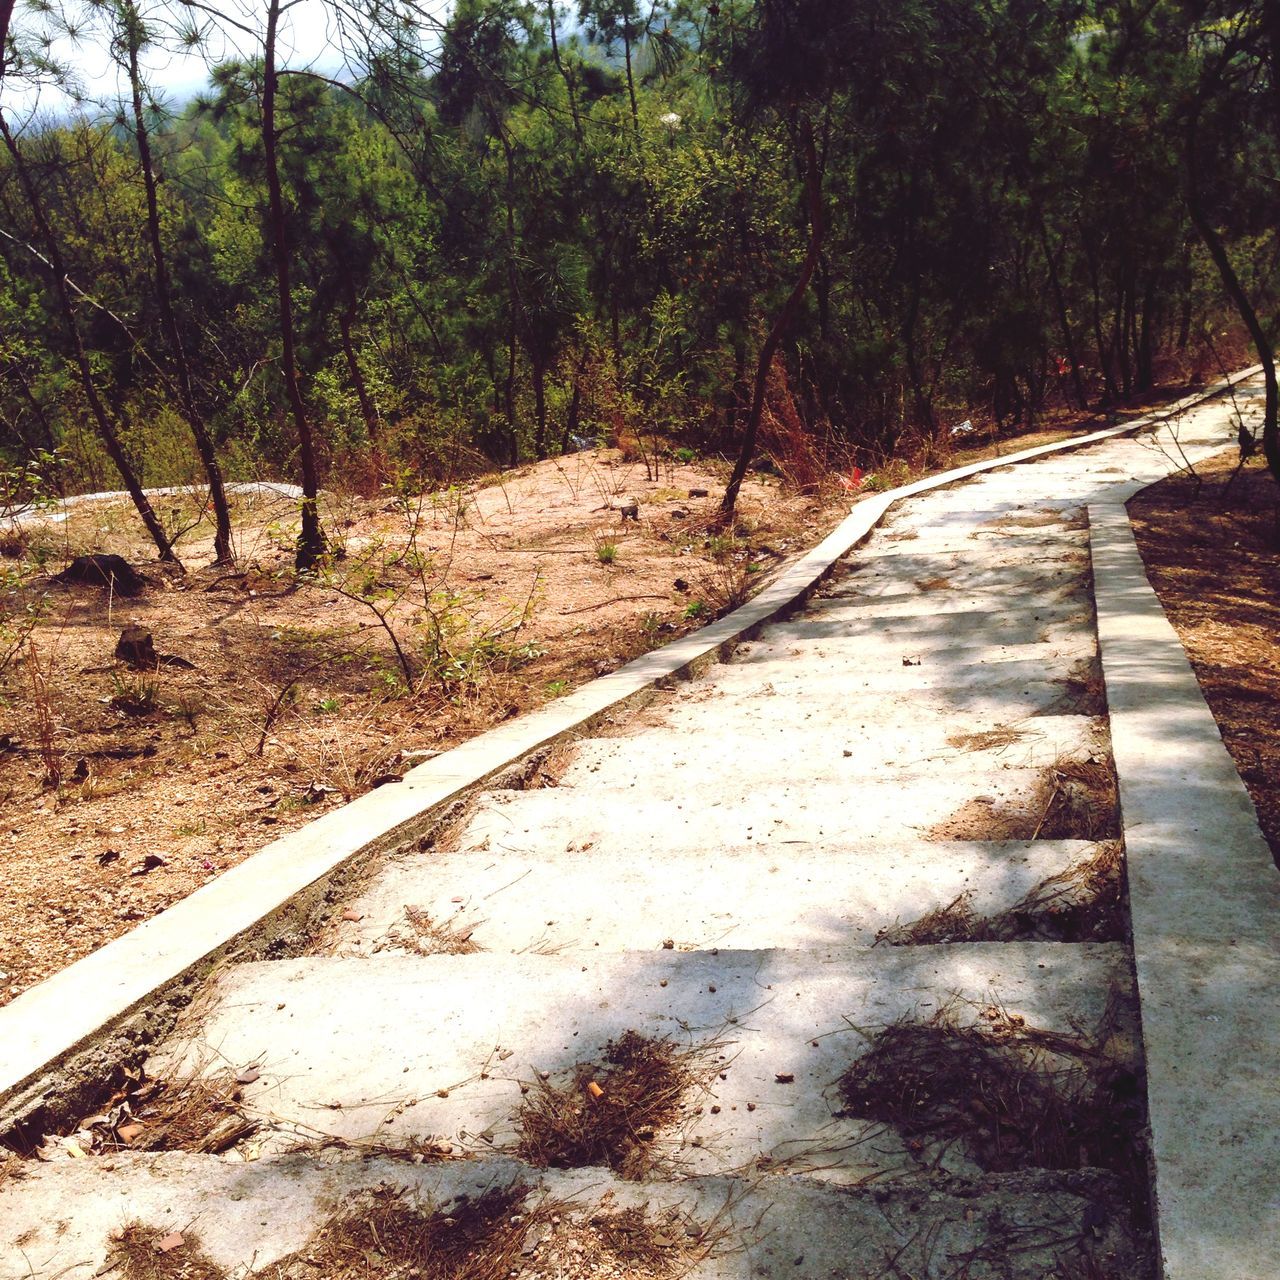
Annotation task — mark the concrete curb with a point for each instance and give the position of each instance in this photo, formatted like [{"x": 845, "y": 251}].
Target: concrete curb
[
  {"x": 65, "y": 1037},
  {"x": 1205, "y": 904}
]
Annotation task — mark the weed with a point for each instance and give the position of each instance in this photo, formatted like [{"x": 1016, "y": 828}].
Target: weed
[
  {"x": 557, "y": 688},
  {"x": 695, "y": 609},
  {"x": 606, "y": 552},
  {"x": 134, "y": 695},
  {"x": 686, "y": 455},
  {"x": 329, "y": 706},
  {"x": 42, "y": 704}
]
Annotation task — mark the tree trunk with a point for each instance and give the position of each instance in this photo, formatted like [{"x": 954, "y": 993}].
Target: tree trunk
[
  {"x": 1235, "y": 291},
  {"x": 164, "y": 298},
  {"x": 631, "y": 82},
  {"x": 782, "y": 323},
  {"x": 62, "y": 293},
  {"x": 564, "y": 72},
  {"x": 311, "y": 542},
  {"x": 1064, "y": 318},
  {"x": 6, "y": 16},
  {"x": 539, "y": 410},
  {"x": 368, "y": 410}
]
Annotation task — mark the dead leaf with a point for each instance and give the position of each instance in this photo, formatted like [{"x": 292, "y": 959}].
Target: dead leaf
[
  {"x": 785, "y": 1077},
  {"x": 167, "y": 1244},
  {"x": 129, "y": 1132},
  {"x": 248, "y": 1075},
  {"x": 352, "y": 914}
]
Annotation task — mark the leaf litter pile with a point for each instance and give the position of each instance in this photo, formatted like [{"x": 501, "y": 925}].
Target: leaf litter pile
[
  {"x": 611, "y": 1113},
  {"x": 1084, "y": 903},
  {"x": 1014, "y": 1097},
  {"x": 202, "y": 1112}
]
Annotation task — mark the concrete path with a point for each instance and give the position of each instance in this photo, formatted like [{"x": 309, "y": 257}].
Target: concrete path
[{"x": 829, "y": 943}]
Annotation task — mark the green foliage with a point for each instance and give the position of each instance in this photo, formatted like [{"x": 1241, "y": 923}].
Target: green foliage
[{"x": 510, "y": 239}]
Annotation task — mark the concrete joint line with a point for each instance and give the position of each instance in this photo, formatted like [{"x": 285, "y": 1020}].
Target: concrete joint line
[
  {"x": 97, "y": 1012},
  {"x": 1205, "y": 905}
]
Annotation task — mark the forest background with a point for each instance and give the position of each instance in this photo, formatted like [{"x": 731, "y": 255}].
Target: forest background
[{"x": 505, "y": 230}]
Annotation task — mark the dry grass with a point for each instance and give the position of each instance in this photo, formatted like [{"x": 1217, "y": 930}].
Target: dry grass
[
  {"x": 1084, "y": 692},
  {"x": 427, "y": 936},
  {"x": 1084, "y": 903},
  {"x": 135, "y": 1256},
  {"x": 493, "y": 1237},
  {"x": 937, "y": 583},
  {"x": 548, "y": 767},
  {"x": 1072, "y": 800},
  {"x": 1081, "y": 801},
  {"x": 1015, "y": 1097},
  {"x": 611, "y": 1113},
  {"x": 987, "y": 740},
  {"x": 388, "y": 1235}
]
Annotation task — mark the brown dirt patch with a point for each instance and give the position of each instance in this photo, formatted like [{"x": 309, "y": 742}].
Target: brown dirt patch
[
  {"x": 1213, "y": 556},
  {"x": 611, "y": 1113},
  {"x": 297, "y": 700},
  {"x": 1039, "y": 520}
]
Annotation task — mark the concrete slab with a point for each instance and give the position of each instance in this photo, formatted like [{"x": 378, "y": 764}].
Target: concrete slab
[
  {"x": 892, "y": 575},
  {"x": 1014, "y": 1227},
  {"x": 663, "y": 812},
  {"x": 575, "y": 901},
  {"x": 840, "y": 751},
  {"x": 1205, "y": 902},
  {"x": 362, "y": 1050}
]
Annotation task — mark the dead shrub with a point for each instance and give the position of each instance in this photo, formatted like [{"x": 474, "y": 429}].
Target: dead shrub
[
  {"x": 610, "y": 1114},
  {"x": 1015, "y": 1097}
]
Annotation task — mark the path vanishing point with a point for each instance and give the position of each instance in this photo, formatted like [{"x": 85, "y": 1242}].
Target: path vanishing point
[{"x": 930, "y": 934}]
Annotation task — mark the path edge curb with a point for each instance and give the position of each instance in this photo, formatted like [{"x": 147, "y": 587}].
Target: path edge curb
[
  {"x": 1204, "y": 899},
  {"x": 84, "y": 1027}
]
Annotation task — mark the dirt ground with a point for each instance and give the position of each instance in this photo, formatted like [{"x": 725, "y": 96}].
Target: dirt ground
[
  {"x": 122, "y": 790},
  {"x": 1212, "y": 551}
]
